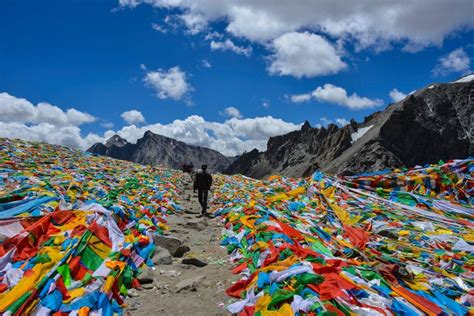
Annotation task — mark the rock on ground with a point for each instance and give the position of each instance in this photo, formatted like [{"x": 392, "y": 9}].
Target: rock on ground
[
  {"x": 162, "y": 256},
  {"x": 188, "y": 284},
  {"x": 169, "y": 243}
]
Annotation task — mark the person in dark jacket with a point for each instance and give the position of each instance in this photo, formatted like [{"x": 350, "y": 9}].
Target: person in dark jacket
[{"x": 203, "y": 183}]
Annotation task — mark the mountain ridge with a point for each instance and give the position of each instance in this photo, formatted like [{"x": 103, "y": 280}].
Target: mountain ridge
[
  {"x": 154, "y": 149},
  {"x": 431, "y": 124}
]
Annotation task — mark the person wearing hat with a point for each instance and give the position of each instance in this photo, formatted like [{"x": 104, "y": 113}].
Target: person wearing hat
[{"x": 202, "y": 183}]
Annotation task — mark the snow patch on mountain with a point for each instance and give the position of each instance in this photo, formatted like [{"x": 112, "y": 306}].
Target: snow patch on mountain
[
  {"x": 359, "y": 133},
  {"x": 467, "y": 78}
]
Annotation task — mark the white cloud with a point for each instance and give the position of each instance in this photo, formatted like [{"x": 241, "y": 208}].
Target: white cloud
[
  {"x": 376, "y": 24},
  {"x": 173, "y": 23},
  {"x": 156, "y": 3},
  {"x": 266, "y": 104},
  {"x": 206, "y": 63},
  {"x": 456, "y": 61},
  {"x": 195, "y": 23},
  {"x": 342, "y": 122},
  {"x": 213, "y": 35},
  {"x": 396, "y": 95},
  {"x": 18, "y": 110},
  {"x": 304, "y": 55},
  {"x": 256, "y": 25},
  {"x": 69, "y": 136},
  {"x": 298, "y": 98},
  {"x": 159, "y": 28},
  {"x": 232, "y": 112},
  {"x": 168, "y": 84},
  {"x": 336, "y": 95},
  {"x": 308, "y": 38},
  {"x": 133, "y": 117},
  {"x": 325, "y": 121},
  {"x": 19, "y": 118},
  {"x": 232, "y": 137},
  {"x": 229, "y": 45}
]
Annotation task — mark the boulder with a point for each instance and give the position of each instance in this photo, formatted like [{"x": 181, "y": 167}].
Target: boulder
[
  {"x": 162, "y": 256},
  {"x": 132, "y": 293},
  {"x": 188, "y": 284},
  {"x": 146, "y": 276},
  {"x": 169, "y": 243},
  {"x": 181, "y": 251},
  {"x": 148, "y": 286},
  {"x": 194, "y": 261}
]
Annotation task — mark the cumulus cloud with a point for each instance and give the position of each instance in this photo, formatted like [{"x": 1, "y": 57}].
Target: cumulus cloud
[
  {"x": 298, "y": 98},
  {"x": 231, "y": 137},
  {"x": 363, "y": 24},
  {"x": 230, "y": 46},
  {"x": 336, "y": 95},
  {"x": 19, "y": 118},
  {"x": 168, "y": 84},
  {"x": 396, "y": 95},
  {"x": 325, "y": 121},
  {"x": 456, "y": 61},
  {"x": 18, "y": 110},
  {"x": 232, "y": 112},
  {"x": 375, "y": 24},
  {"x": 69, "y": 136},
  {"x": 341, "y": 121},
  {"x": 256, "y": 25},
  {"x": 133, "y": 117},
  {"x": 304, "y": 55},
  {"x": 195, "y": 23}
]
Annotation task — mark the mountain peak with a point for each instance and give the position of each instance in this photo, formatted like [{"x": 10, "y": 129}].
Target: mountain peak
[
  {"x": 116, "y": 140},
  {"x": 306, "y": 126},
  {"x": 149, "y": 134}
]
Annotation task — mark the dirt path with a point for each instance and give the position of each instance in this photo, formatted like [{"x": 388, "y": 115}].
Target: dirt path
[{"x": 184, "y": 289}]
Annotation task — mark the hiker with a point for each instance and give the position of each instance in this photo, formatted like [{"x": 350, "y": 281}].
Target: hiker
[{"x": 203, "y": 183}]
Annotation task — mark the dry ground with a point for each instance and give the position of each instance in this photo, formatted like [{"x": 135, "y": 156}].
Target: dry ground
[{"x": 205, "y": 294}]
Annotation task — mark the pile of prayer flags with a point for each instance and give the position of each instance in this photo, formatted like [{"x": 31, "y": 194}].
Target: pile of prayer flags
[
  {"x": 75, "y": 228},
  {"x": 398, "y": 242}
]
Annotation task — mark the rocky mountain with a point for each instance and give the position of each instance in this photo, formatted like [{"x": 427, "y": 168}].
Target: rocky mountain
[
  {"x": 153, "y": 149},
  {"x": 434, "y": 123}
]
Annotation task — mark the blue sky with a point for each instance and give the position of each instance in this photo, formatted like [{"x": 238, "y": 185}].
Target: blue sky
[{"x": 264, "y": 62}]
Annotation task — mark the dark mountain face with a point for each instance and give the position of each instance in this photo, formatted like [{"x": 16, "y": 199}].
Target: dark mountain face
[
  {"x": 153, "y": 149},
  {"x": 433, "y": 123}
]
